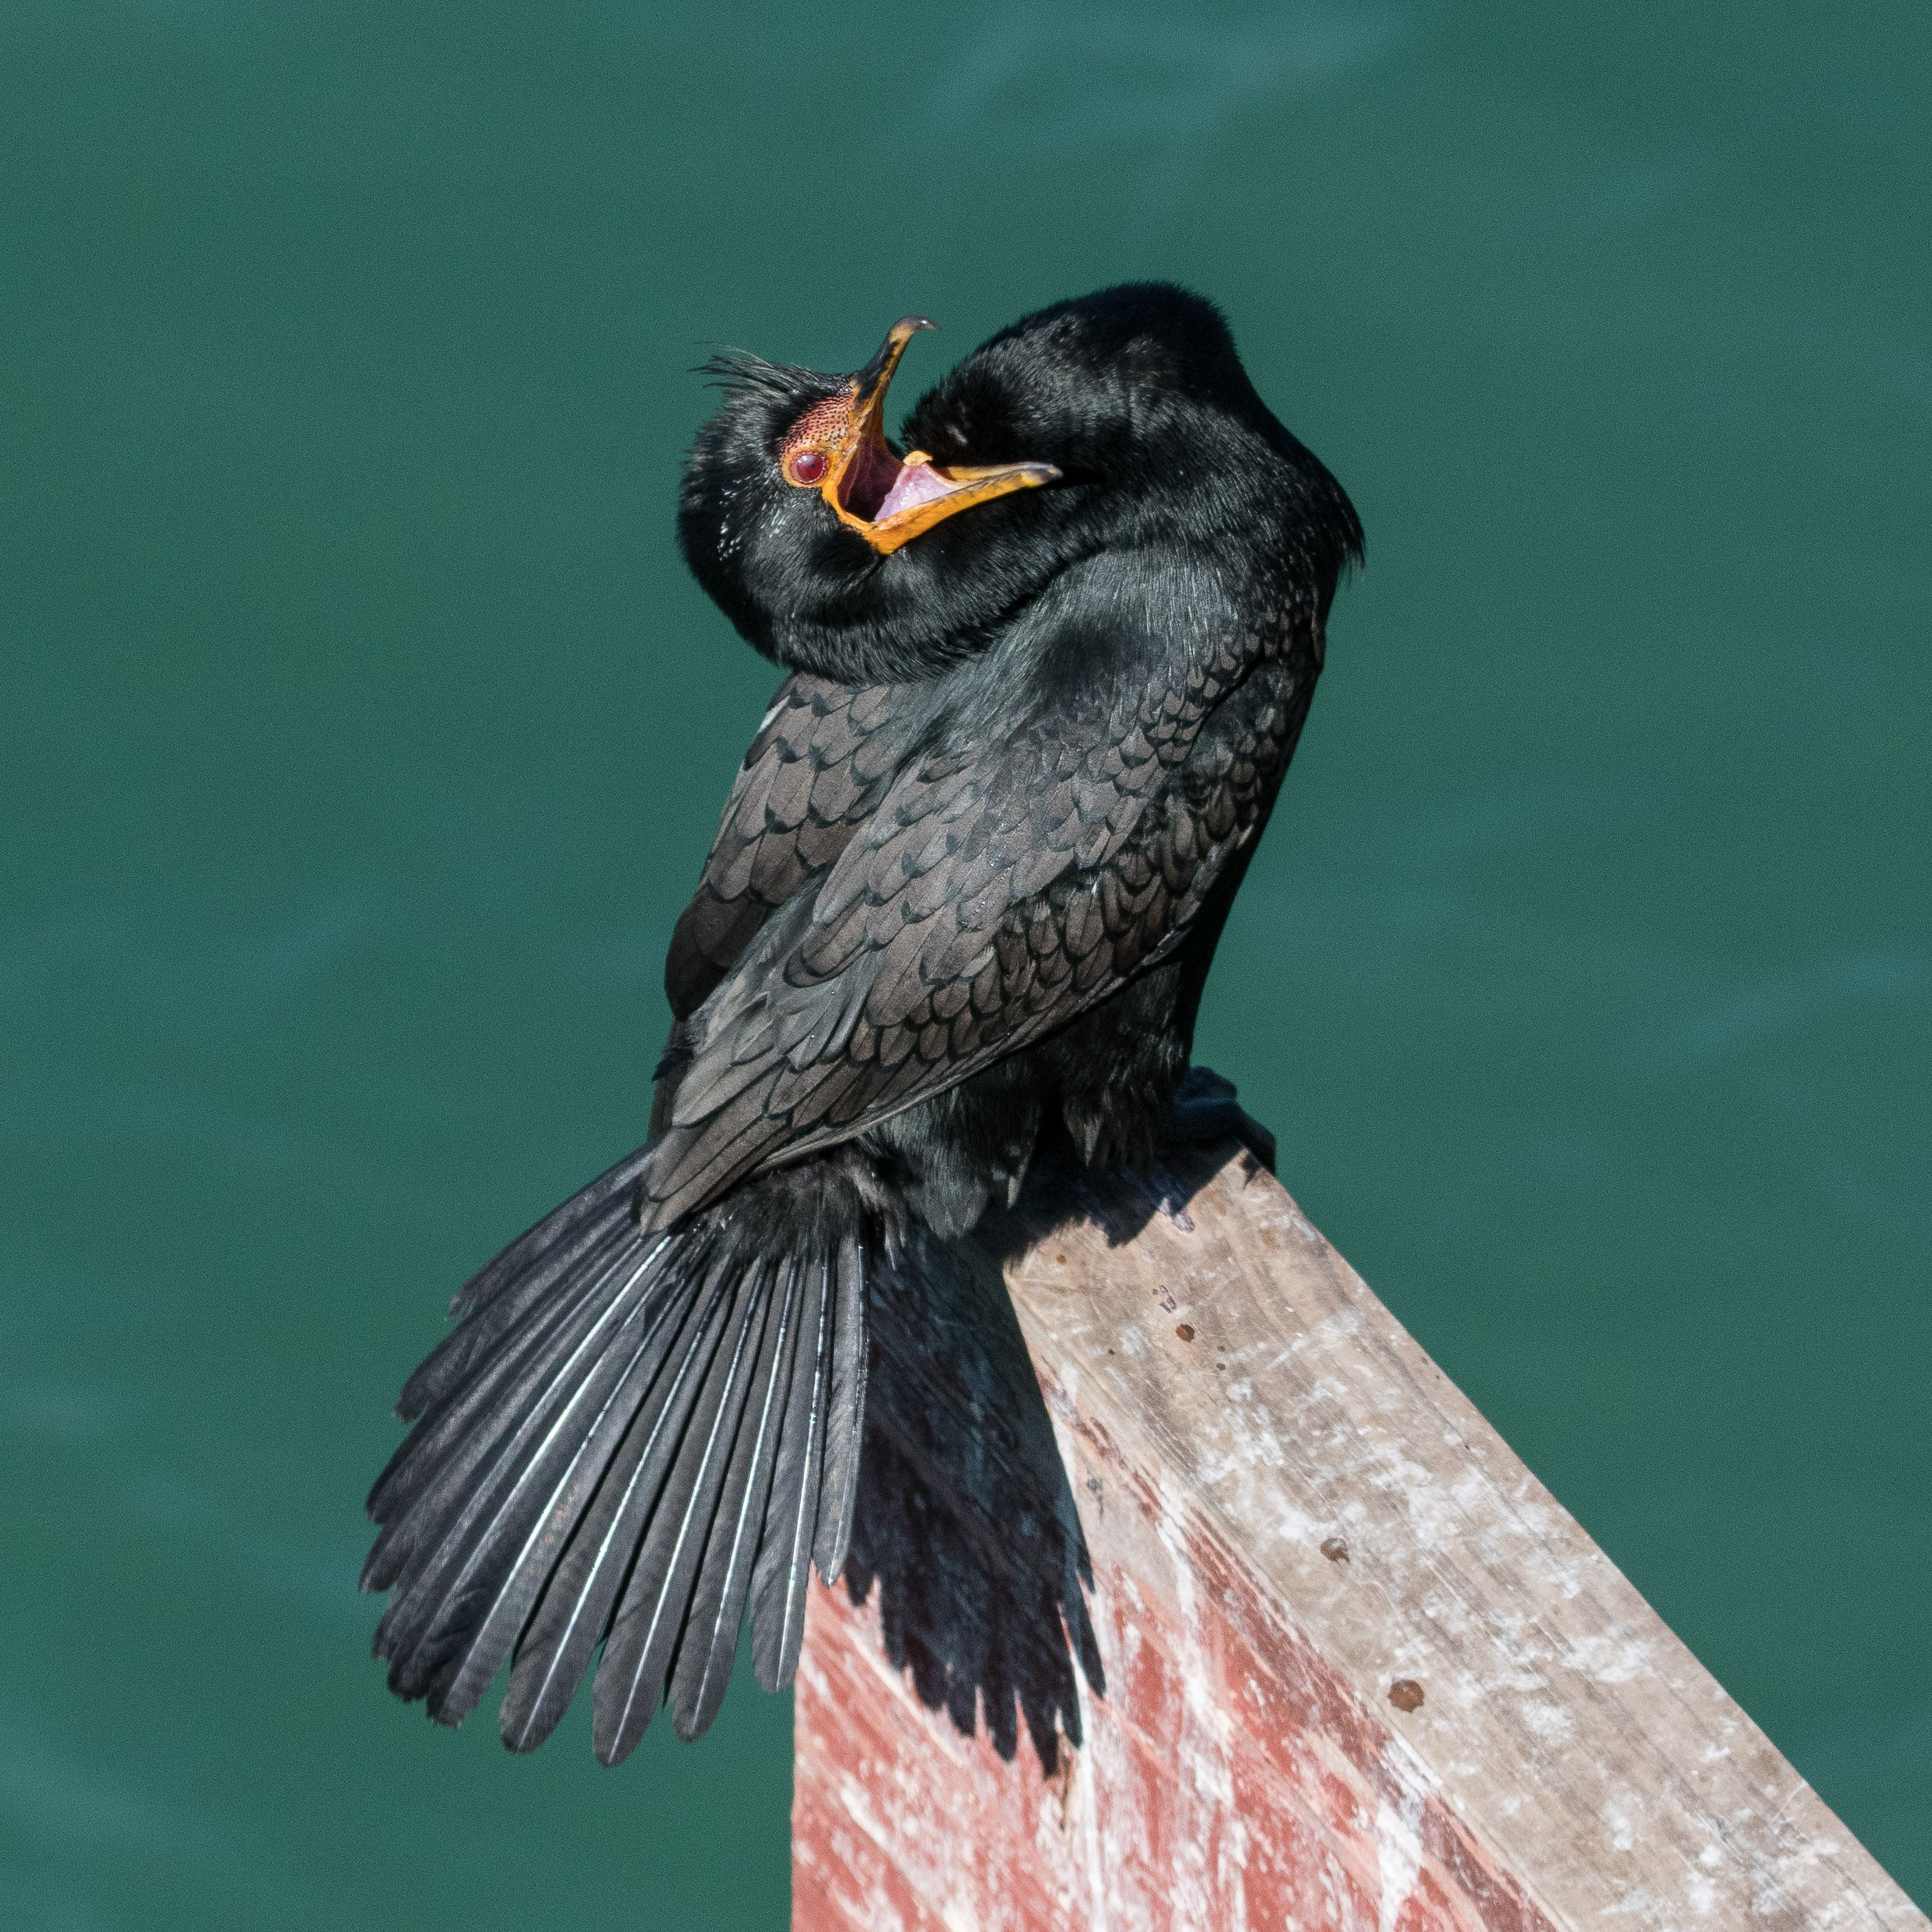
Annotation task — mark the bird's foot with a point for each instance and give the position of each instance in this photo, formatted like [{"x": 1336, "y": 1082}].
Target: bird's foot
[{"x": 1203, "y": 1109}]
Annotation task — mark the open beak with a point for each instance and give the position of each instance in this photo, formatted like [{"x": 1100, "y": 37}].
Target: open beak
[{"x": 889, "y": 499}]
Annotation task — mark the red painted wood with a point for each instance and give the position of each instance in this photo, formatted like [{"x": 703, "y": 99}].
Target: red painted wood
[
  {"x": 1156, "y": 1468},
  {"x": 1230, "y": 1778}
]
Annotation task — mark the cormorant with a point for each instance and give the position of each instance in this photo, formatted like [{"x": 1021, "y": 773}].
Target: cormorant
[{"x": 1045, "y": 672}]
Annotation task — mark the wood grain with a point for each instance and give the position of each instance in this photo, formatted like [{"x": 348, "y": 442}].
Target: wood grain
[{"x": 1352, "y": 1665}]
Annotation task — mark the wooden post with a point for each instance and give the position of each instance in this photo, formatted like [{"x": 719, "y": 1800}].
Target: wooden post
[{"x": 1225, "y": 1609}]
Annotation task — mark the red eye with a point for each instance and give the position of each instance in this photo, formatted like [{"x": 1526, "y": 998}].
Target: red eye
[{"x": 807, "y": 467}]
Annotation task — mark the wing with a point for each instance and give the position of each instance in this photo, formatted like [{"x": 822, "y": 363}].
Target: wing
[
  {"x": 816, "y": 771},
  {"x": 1003, "y": 885}
]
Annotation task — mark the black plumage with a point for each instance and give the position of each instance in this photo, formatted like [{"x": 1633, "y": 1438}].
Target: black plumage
[{"x": 1046, "y": 673}]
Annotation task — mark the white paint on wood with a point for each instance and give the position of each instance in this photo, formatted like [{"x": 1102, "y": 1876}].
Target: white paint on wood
[{"x": 1563, "y": 1722}]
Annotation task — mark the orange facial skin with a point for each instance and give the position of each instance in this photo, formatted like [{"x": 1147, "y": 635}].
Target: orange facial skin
[{"x": 839, "y": 447}]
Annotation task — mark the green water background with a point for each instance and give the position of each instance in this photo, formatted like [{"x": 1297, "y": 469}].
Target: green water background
[{"x": 361, "y": 735}]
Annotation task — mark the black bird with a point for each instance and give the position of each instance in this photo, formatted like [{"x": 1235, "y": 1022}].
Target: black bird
[{"x": 1046, "y": 672}]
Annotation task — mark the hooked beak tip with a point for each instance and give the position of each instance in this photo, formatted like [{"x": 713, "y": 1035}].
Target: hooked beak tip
[{"x": 872, "y": 379}]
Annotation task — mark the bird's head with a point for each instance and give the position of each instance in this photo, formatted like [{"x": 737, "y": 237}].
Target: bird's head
[{"x": 1122, "y": 420}]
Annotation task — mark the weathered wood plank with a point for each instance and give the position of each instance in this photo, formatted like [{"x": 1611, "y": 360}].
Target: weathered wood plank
[{"x": 1329, "y": 1654}]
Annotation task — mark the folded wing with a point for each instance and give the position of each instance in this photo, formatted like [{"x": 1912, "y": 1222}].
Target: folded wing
[{"x": 1002, "y": 885}]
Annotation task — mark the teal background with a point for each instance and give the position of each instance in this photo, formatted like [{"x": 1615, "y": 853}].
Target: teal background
[{"x": 362, "y": 735}]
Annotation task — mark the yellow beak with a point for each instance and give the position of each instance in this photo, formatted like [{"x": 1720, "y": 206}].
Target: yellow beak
[{"x": 889, "y": 500}]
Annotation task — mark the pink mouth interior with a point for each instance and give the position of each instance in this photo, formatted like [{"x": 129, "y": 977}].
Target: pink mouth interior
[
  {"x": 877, "y": 484},
  {"x": 916, "y": 483}
]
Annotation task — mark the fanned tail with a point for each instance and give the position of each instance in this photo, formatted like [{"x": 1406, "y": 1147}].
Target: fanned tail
[{"x": 630, "y": 1437}]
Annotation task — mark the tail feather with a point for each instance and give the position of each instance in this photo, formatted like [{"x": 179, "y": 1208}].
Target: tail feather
[
  {"x": 645, "y": 1633},
  {"x": 710, "y": 1638},
  {"x": 839, "y": 1491},
  {"x": 632, "y": 1435},
  {"x": 539, "y": 1460},
  {"x": 420, "y": 1498},
  {"x": 578, "y": 1595},
  {"x": 528, "y": 1265},
  {"x": 511, "y": 1554},
  {"x": 468, "y": 1418},
  {"x": 517, "y": 1263},
  {"x": 791, "y": 1512},
  {"x": 448, "y": 1369}
]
